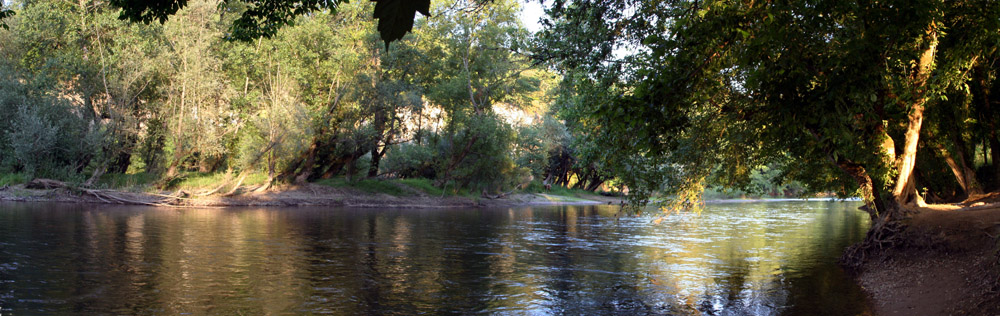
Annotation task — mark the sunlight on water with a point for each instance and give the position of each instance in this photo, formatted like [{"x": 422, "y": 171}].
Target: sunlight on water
[{"x": 740, "y": 258}]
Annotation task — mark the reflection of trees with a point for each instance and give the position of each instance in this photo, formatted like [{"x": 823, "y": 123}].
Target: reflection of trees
[
  {"x": 754, "y": 258},
  {"x": 746, "y": 258}
]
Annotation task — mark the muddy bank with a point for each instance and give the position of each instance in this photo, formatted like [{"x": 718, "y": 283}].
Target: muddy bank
[
  {"x": 299, "y": 195},
  {"x": 948, "y": 264}
]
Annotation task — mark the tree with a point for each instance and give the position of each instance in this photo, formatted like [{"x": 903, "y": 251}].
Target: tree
[
  {"x": 472, "y": 62},
  {"x": 715, "y": 89}
]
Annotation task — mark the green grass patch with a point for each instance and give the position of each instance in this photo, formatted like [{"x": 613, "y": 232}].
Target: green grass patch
[
  {"x": 398, "y": 187},
  {"x": 366, "y": 185},
  {"x": 126, "y": 181},
  {"x": 201, "y": 181},
  {"x": 422, "y": 184},
  {"x": 537, "y": 187},
  {"x": 12, "y": 178}
]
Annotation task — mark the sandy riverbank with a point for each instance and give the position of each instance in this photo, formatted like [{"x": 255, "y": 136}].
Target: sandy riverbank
[
  {"x": 298, "y": 195},
  {"x": 948, "y": 264}
]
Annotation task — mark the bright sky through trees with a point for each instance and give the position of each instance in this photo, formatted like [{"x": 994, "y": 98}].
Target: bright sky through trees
[{"x": 530, "y": 15}]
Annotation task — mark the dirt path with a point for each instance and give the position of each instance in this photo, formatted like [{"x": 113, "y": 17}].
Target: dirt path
[
  {"x": 948, "y": 266},
  {"x": 303, "y": 195}
]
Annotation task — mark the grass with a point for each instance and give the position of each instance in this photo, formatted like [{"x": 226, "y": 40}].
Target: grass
[
  {"x": 397, "y": 187},
  {"x": 201, "y": 180},
  {"x": 126, "y": 181},
  {"x": 537, "y": 187},
  {"x": 12, "y": 178},
  {"x": 366, "y": 185},
  {"x": 426, "y": 185}
]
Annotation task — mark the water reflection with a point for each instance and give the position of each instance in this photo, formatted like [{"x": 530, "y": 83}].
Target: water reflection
[{"x": 764, "y": 258}]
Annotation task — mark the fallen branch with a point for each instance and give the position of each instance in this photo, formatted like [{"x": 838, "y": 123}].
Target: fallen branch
[{"x": 237, "y": 186}]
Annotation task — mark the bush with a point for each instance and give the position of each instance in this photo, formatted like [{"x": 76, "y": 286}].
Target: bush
[
  {"x": 410, "y": 160},
  {"x": 32, "y": 139}
]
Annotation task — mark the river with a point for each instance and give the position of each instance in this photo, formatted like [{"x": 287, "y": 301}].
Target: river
[{"x": 767, "y": 258}]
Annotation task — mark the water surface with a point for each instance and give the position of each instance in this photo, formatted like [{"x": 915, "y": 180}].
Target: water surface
[{"x": 731, "y": 259}]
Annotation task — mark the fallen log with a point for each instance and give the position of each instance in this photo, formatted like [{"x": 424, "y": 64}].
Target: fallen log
[{"x": 44, "y": 184}]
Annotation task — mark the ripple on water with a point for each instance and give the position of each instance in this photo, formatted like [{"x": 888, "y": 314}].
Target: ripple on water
[{"x": 729, "y": 259}]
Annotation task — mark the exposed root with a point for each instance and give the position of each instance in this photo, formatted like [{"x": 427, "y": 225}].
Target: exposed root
[
  {"x": 110, "y": 197},
  {"x": 237, "y": 186},
  {"x": 106, "y": 196},
  {"x": 498, "y": 196},
  {"x": 885, "y": 234}
]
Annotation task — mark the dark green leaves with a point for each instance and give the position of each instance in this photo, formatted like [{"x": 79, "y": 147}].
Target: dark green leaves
[
  {"x": 395, "y": 17},
  {"x": 4, "y": 13}
]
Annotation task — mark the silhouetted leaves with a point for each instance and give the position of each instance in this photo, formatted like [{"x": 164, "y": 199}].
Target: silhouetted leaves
[
  {"x": 263, "y": 18},
  {"x": 395, "y": 17}
]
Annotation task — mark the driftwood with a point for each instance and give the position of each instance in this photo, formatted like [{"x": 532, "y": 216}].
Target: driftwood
[
  {"x": 498, "y": 196},
  {"x": 45, "y": 184},
  {"x": 107, "y": 196}
]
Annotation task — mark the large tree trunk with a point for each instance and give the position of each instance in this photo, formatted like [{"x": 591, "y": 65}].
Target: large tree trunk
[
  {"x": 376, "y": 159},
  {"x": 870, "y": 191},
  {"x": 905, "y": 189},
  {"x": 964, "y": 175}
]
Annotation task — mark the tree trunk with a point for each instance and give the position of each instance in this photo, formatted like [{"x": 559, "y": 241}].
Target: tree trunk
[
  {"x": 964, "y": 175},
  {"x": 456, "y": 160},
  {"x": 594, "y": 185},
  {"x": 995, "y": 157},
  {"x": 307, "y": 164},
  {"x": 905, "y": 189},
  {"x": 870, "y": 191},
  {"x": 376, "y": 158},
  {"x": 122, "y": 160}
]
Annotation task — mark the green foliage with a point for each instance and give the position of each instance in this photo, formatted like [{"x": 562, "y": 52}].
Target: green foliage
[
  {"x": 32, "y": 138},
  {"x": 111, "y": 104},
  {"x": 367, "y": 185},
  {"x": 713, "y": 91},
  {"x": 423, "y": 184},
  {"x": 13, "y": 178},
  {"x": 127, "y": 181},
  {"x": 411, "y": 160}
]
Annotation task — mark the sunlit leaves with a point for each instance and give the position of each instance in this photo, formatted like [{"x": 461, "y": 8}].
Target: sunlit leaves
[{"x": 713, "y": 90}]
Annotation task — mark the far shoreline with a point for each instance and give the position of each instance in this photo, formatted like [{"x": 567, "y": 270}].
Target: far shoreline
[{"x": 305, "y": 195}]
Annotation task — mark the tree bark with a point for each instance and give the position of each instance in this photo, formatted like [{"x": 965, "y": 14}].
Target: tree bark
[
  {"x": 995, "y": 157},
  {"x": 905, "y": 189},
  {"x": 456, "y": 160},
  {"x": 964, "y": 175},
  {"x": 870, "y": 191},
  {"x": 376, "y": 158}
]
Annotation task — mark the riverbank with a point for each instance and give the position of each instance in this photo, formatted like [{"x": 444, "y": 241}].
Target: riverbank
[
  {"x": 948, "y": 265},
  {"x": 309, "y": 194}
]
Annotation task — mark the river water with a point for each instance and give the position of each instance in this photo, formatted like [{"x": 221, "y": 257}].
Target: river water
[{"x": 729, "y": 259}]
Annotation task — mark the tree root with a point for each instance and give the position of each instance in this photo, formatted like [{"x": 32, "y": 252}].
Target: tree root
[
  {"x": 498, "y": 196},
  {"x": 110, "y": 197},
  {"x": 885, "y": 234}
]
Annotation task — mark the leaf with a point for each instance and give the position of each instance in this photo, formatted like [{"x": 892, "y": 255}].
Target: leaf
[{"x": 395, "y": 17}]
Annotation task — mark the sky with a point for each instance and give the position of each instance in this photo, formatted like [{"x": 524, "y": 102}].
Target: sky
[{"x": 530, "y": 13}]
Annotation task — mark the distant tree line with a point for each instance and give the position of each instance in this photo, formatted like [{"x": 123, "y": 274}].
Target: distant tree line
[{"x": 85, "y": 93}]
